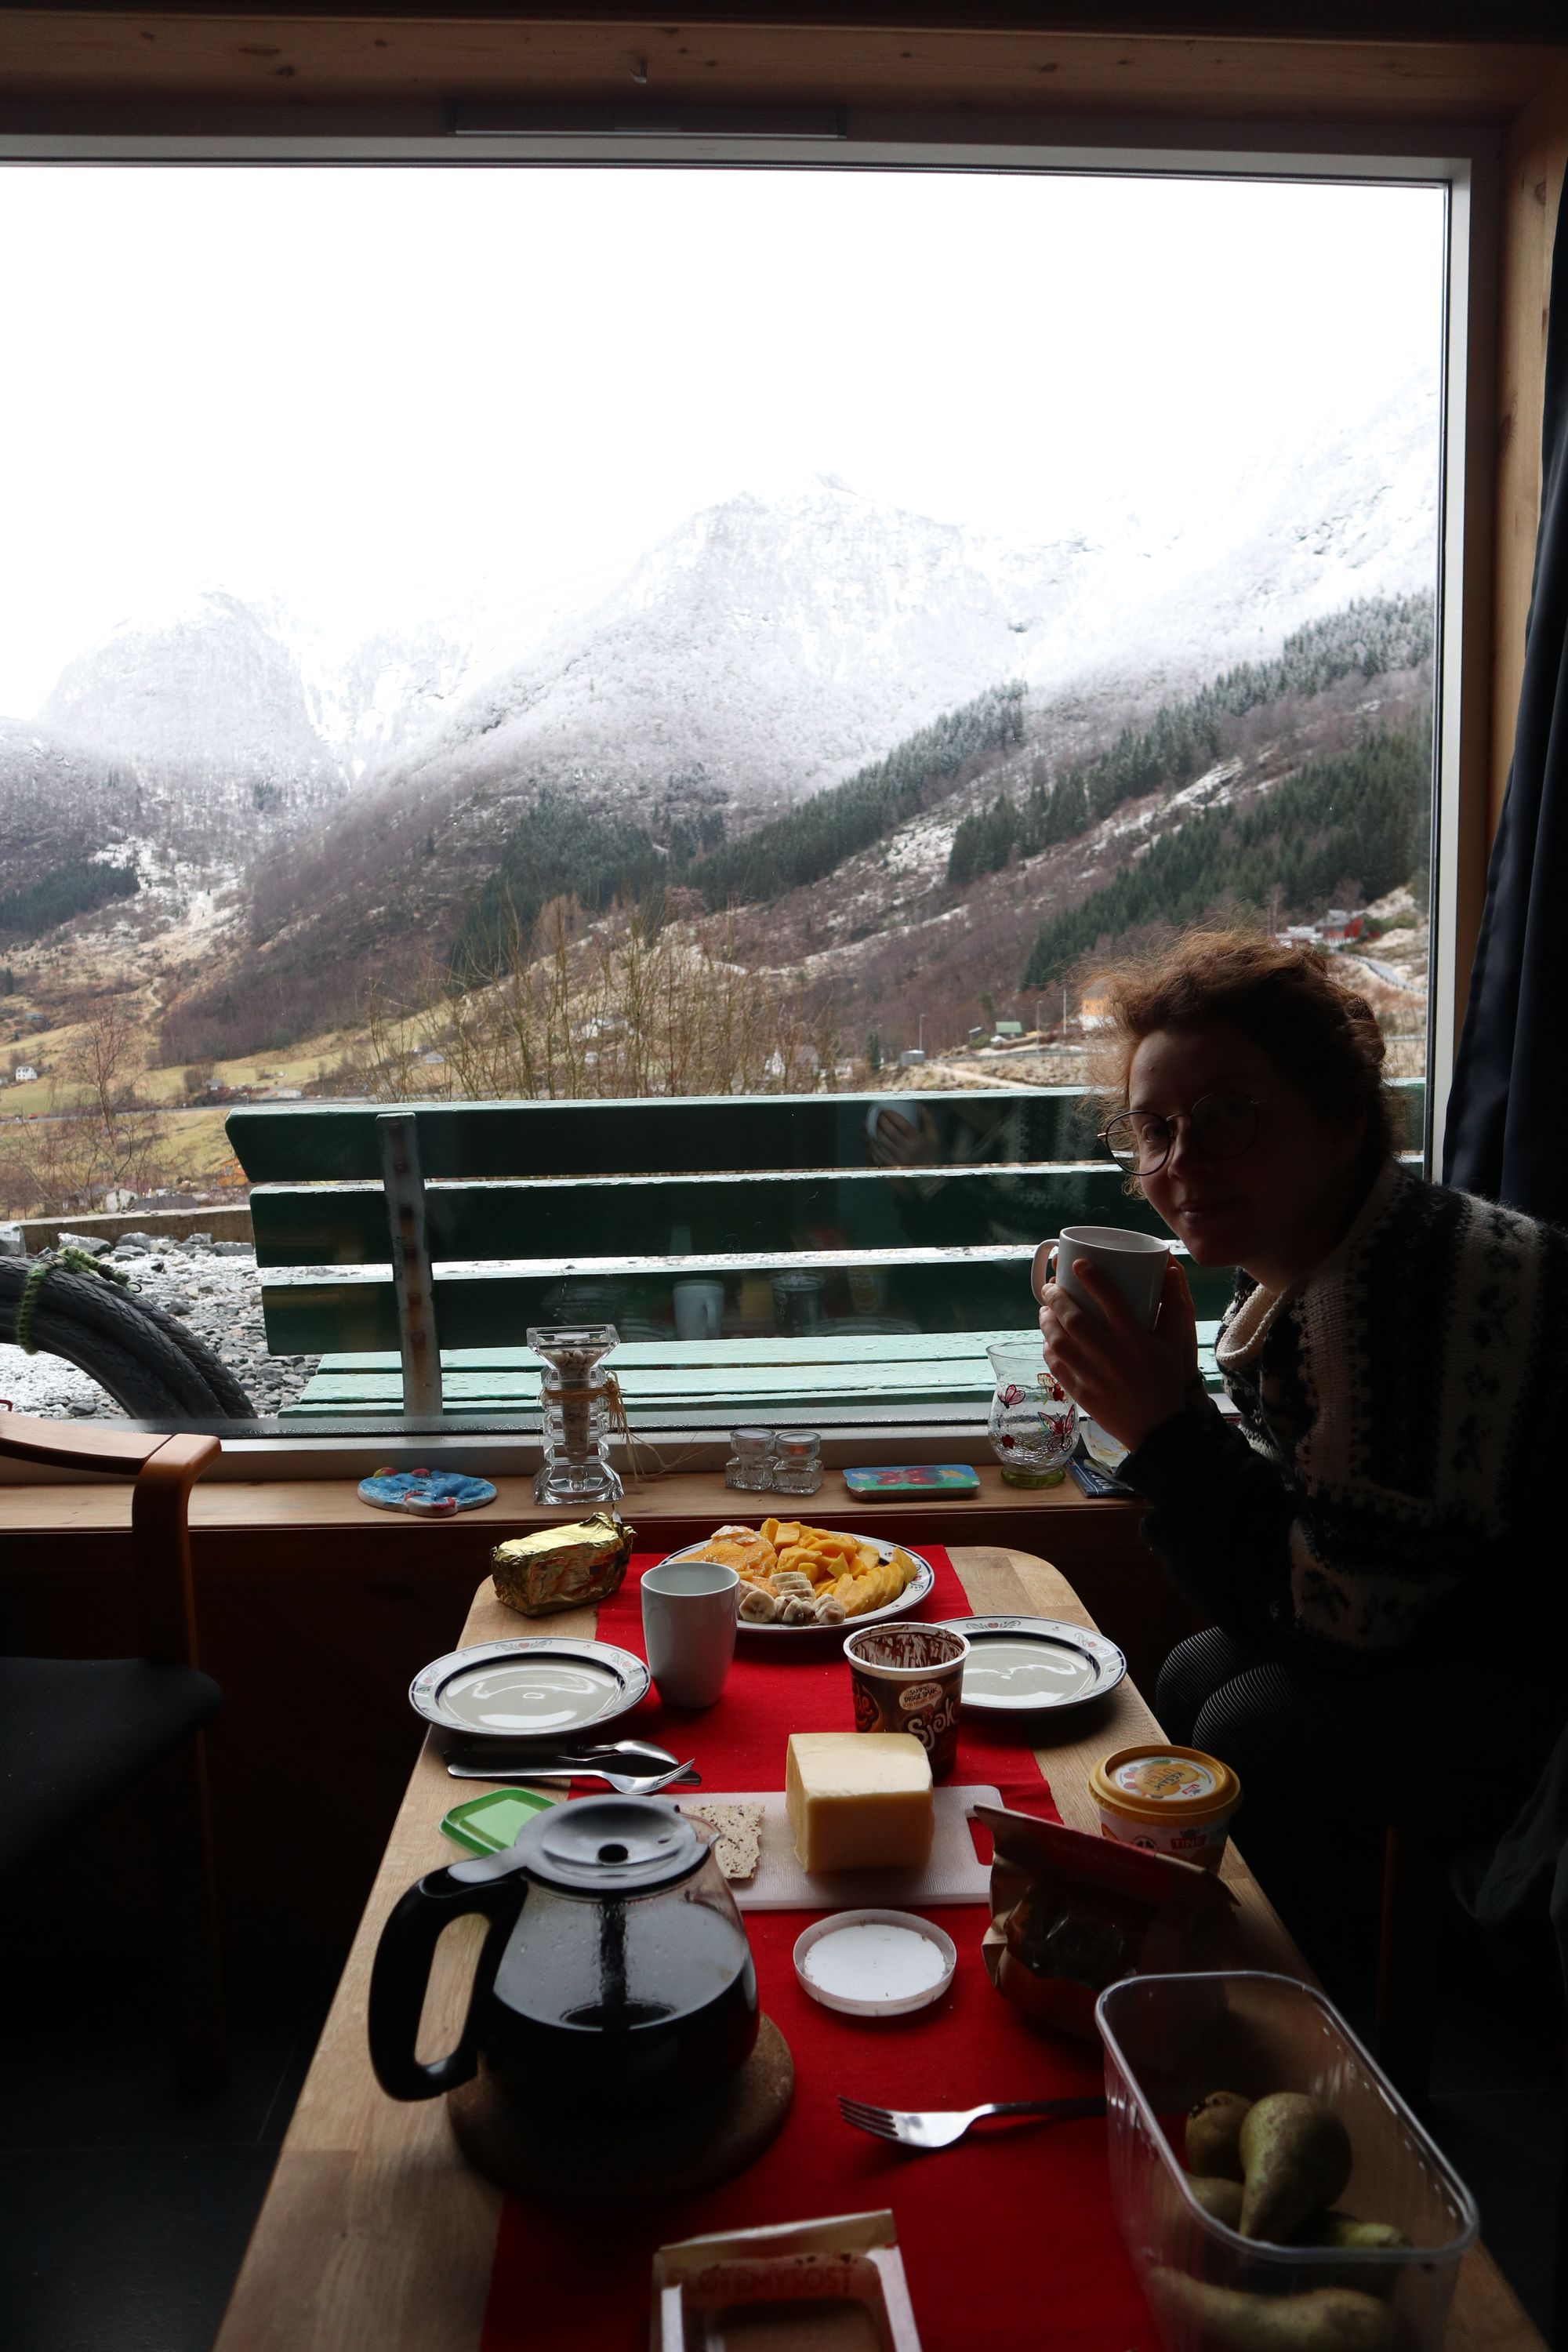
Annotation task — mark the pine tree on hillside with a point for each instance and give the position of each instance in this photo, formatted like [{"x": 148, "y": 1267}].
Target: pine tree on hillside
[
  {"x": 814, "y": 839},
  {"x": 1370, "y": 636},
  {"x": 1361, "y": 819}
]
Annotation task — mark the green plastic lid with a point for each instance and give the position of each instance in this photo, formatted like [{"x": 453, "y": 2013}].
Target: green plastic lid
[{"x": 490, "y": 1823}]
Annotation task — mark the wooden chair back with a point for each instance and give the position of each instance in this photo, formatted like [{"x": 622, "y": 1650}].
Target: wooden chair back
[{"x": 165, "y": 1469}]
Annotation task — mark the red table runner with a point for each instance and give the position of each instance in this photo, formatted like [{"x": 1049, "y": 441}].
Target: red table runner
[{"x": 1008, "y": 2239}]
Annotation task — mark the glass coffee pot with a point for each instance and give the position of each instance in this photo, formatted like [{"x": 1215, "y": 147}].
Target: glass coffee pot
[{"x": 615, "y": 1977}]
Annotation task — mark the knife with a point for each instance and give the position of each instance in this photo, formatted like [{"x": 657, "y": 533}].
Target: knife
[{"x": 569, "y": 1767}]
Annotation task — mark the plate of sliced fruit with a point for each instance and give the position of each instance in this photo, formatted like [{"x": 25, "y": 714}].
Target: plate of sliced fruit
[{"x": 797, "y": 1580}]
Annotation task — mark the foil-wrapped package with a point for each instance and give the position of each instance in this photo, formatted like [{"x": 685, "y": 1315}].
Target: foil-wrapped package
[{"x": 564, "y": 1567}]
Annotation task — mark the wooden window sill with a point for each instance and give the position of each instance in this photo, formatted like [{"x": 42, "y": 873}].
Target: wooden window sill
[{"x": 656, "y": 1507}]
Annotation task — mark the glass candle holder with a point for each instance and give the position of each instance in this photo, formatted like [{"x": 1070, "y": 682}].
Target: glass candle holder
[
  {"x": 1033, "y": 1419},
  {"x": 576, "y": 1395},
  {"x": 750, "y": 1469},
  {"x": 797, "y": 1461}
]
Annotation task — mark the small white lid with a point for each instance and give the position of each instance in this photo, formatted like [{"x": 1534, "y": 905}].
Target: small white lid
[{"x": 874, "y": 1963}]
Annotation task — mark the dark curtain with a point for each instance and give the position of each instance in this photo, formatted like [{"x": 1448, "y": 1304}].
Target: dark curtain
[{"x": 1507, "y": 1132}]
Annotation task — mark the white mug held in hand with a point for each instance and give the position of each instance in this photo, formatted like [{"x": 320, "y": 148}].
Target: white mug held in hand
[
  {"x": 1134, "y": 1262},
  {"x": 689, "y": 1610}
]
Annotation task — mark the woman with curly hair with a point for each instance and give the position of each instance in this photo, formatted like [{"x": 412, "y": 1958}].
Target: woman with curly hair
[{"x": 1375, "y": 1540}]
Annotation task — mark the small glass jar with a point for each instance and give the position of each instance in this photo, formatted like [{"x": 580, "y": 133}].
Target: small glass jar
[
  {"x": 750, "y": 1468},
  {"x": 797, "y": 1461}
]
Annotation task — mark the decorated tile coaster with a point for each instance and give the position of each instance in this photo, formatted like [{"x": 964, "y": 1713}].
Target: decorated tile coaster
[{"x": 428, "y": 1494}]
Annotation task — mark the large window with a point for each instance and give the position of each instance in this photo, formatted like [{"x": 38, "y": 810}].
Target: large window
[{"x": 574, "y": 632}]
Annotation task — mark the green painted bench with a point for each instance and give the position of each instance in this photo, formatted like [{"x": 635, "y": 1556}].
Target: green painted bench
[{"x": 868, "y": 1246}]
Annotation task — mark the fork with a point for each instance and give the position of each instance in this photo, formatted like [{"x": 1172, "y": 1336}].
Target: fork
[
  {"x": 940, "y": 2127},
  {"x": 624, "y": 1784}
]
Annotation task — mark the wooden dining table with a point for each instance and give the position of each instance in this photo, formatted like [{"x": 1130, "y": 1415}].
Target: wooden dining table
[{"x": 375, "y": 2233}]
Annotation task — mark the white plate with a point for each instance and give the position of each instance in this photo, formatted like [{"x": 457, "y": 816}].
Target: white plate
[
  {"x": 913, "y": 1593},
  {"x": 541, "y": 1687},
  {"x": 874, "y": 1963},
  {"x": 1022, "y": 1666}
]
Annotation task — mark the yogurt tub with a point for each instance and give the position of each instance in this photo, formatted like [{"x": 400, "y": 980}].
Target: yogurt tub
[{"x": 1168, "y": 1799}]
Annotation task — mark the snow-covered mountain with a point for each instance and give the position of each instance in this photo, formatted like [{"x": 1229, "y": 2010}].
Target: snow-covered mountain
[
  {"x": 387, "y": 690},
  {"x": 209, "y": 690},
  {"x": 1351, "y": 512},
  {"x": 774, "y": 644},
  {"x": 778, "y": 644},
  {"x": 209, "y": 728},
  {"x": 765, "y": 649}
]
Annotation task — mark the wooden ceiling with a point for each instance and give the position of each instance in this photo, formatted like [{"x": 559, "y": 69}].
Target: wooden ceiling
[{"x": 62, "y": 65}]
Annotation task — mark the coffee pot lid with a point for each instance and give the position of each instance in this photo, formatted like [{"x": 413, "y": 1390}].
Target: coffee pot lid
[{"x": 611, "y": 1846}]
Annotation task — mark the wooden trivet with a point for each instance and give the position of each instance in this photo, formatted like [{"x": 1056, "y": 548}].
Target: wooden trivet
[{"x": 665, "y": 2155}]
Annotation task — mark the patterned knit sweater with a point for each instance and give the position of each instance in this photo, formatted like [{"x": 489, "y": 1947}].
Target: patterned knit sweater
[{"x": 1397, "y": 1462}]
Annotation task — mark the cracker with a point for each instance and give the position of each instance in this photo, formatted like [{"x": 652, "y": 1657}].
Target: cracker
[{"x": 736, "y": 1834}]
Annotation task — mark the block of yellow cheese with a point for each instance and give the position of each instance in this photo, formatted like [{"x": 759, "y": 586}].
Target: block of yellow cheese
[{"x": 859, "y": 1800}]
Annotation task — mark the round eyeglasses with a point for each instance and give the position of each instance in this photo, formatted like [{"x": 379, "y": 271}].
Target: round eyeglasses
[{"x": 1220, "y": 1126}]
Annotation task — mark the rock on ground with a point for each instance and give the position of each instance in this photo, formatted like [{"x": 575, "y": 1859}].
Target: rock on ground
[{"x": 213, "y": 1287}]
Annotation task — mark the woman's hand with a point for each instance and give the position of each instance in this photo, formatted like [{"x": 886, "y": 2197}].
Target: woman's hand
[{"x": 1128, "y": 1380}]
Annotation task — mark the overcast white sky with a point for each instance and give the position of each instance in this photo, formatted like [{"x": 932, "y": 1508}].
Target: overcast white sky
[{"x": 373, "y": 392}]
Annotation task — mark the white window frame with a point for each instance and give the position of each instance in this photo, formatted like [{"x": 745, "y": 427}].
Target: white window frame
[{"x": 1462, "y": 161}]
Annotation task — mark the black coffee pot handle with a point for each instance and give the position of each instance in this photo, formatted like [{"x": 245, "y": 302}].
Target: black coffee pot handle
[{"x": 495, "y": 1888}]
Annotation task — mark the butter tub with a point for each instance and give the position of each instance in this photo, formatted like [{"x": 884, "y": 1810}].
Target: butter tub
[
  {"x": 1167, "y": 1799},
  {"x": 1169, "y": 2041}
]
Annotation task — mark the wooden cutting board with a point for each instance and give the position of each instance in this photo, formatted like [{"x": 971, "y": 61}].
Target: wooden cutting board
[{"x": 954, "y": 1872}]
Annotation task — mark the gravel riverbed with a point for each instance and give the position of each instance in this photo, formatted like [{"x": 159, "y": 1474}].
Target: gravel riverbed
[{"x": 213, "y": 1289}]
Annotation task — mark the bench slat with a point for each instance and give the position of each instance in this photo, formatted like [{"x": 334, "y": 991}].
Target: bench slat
[
  {"x": 556, "y": 1217},
  {"x": 310, "y": 1142},
  {"x": 314, "y": 1313},
  {"x": 980, "y": 1289},
  {"x": 952, "y": 1368},
  {"x": 727, "y": 1356},
  {"x": 662, "y": 1387},
  {"x": 335, "y": 1141},
  {"x": 788, "y": 1394}
]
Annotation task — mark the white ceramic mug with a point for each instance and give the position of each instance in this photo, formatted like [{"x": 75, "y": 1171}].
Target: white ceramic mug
[
  {"x": 699, "y": 1310},
  {"x": 1134, "y": 1262},
  {"x": 690, "y": 1609}
]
